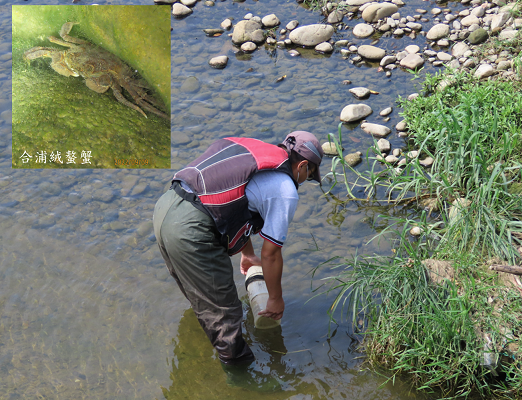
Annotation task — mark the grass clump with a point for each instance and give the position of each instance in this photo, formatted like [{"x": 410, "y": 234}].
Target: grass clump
[{"x": 457, "y": 334}]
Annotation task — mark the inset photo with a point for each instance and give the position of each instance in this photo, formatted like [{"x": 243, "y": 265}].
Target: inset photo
[{"x": 91, "y": 86}]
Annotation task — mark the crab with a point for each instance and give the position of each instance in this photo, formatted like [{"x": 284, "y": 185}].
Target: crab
[{"x": 100, "y": 69}]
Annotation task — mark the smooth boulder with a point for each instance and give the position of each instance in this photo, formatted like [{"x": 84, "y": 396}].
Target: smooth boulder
[
  {"x": 438, "y": 31},
  {"x": 376, "y": 130},
  {"x": 371, "y": 52},
  {"x": 375, "y": 12},
  {"x": 247, "y": 31},
  {"x": 355, "y": 112},
  {"x": 311, "y": 35}
]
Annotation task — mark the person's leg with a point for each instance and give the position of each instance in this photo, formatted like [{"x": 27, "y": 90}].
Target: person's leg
[{"x": 190, "y": 244}]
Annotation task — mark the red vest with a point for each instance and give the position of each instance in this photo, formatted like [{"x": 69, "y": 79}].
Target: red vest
[{"x": 219, "y": 178}]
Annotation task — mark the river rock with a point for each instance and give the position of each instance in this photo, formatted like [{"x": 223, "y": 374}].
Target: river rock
[
  {"x": 478, "y": 36},
  {"x": 459, "y": 49},
  {"x": 218, "y": 62},
  {"x": 414, "y": 26},
  {"x": 179, "y": 10},
  {"x": 444, "y": 56},
  {"x": 335, "y": 17},
  {"x": 248, "y": 47},
  {"x": 438, "y": 31},
  {"x": 507, "y": 34},
  {"x": 324, "y": 47},
  {"x": 499, "y": 20},
  {"x": 387, "y": 60},
  {"x": 375, "y": 130},
  {"x": 190, "y": 85},
  {"x": 188, "y": 3},
  {"x": 375, "y": 12},
  {"x": 270, "y": 21},
  {"x": 360, "y": 92},
  {"x": 355, "y": 112},
  {"x": 371, "y": 52},
  {"x": 247, "y": 31},
  {"x": 469, "y": 20},
  {"x": 226, "y": 24},
  {"x": 292, "y": 25},
  {"x": 363, "y": 30},
  {"x": 484, "y": 70},
  {"x": 412, "y": 49},
  {"x": 386, "y": 111},
  {"x": 401, "y": 126},
  {"x": 383, "y": 145},
  {"x": 311, "y": 35},
  {"x": 329, "y": 148},
  {"x": 412, "y": 61},
  {"x": 353, "y": 159},
  {"x": 391, "y": 159}
]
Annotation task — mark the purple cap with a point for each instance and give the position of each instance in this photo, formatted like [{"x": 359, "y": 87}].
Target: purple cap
[{"x": 307, "y": 145}]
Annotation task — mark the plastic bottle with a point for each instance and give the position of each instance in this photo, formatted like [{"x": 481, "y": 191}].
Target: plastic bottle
[{"x": 258, "y": 296}]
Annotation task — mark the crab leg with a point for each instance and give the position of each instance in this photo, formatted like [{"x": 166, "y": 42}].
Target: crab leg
[
  {"x": 117, "y": 93},
  {"x": 143, "y": 95},
  {"x": 141, "y": 102},
  {"x": 64, "y": 34},
  {"x": 57, "y": 59}
]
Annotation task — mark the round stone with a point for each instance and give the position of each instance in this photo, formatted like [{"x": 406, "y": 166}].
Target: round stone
[
  {"x": 363, "y": 30},
  {"x": 371, "y": 52},
  {"x": 355, "y": 112}
]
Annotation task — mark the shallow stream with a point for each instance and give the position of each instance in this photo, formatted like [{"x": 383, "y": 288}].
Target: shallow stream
[{"x": 88, "y": 309}]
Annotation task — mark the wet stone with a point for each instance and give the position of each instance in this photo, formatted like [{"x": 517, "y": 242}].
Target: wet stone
[
  {"x": 360, "y": 92},
  {"x": 353, "y": 159},
  {"x": 74, "y": 198},
  {"x": 355, "y": 112},
  {"x": 179, "y": 10},
  {"x": 375, "y": 130},
  {"x": 103, "y": 195}
]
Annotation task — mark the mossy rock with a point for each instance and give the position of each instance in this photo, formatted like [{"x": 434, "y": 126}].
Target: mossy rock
[{"x": 478, "y": 36}]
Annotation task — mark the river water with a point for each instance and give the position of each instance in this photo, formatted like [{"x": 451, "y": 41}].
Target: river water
[{"x": 88, "y": 309}]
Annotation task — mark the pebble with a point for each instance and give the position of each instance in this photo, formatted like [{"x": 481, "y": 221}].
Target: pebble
[
  {"x": 383, "y": 145},
  {"x": 355, "y": 112},
  {"x": 360, "y": 92},
  {"x": 363, "y": 30},
  {"x": 412, "y": 49},
  {"x": 412, "y": 61},
  {"x": 386, "y": 111},
  {"x": 179, "y": 10},
  {"x": 218, "y": 62},
  {"x": 353, "y": 159},
  {"x": 371, "y": 52},
  {"x": 375, "y": 130},
  {"x": 292, "y": 25},
  {"x": 329, "y": 148},
  {"x": 484, "y": 70}
]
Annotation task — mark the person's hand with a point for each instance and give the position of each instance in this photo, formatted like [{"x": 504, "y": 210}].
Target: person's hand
[
  {"x": 247, "y": 261},
  {"x": 274, "y": 309}
]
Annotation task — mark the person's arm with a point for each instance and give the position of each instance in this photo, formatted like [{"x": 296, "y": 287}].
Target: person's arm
[
  {"x": 248, "y": 257},
  {"x": 272, "y": 263}
]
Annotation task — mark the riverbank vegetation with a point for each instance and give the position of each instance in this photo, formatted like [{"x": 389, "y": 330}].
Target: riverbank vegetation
[{"x": 433, "y": 309}]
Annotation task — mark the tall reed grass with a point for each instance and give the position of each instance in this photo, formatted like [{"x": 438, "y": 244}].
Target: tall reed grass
[{"x": 435, "y": 333}]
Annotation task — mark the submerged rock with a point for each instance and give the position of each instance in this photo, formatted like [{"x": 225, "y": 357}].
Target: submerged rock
[{"x": 353, "y": 159}]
